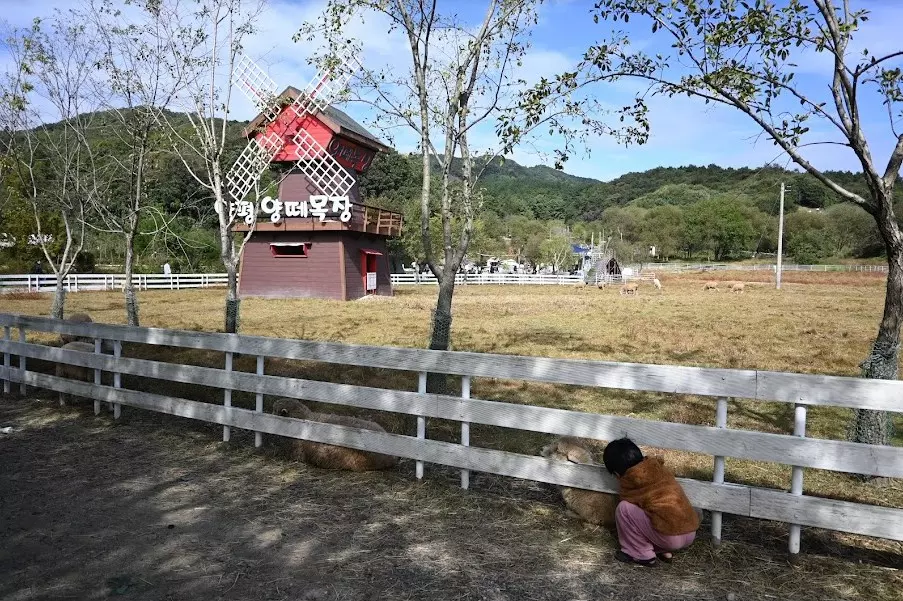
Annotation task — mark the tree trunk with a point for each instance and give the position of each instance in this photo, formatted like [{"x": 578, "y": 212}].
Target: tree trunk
[
  {"x": 232, "y": 300},
  {"x": 128, "y": 288},
  {"x": 59, "y": 297},
  {"x": 874, "y": 427},
  {"x": 440, "y": 337}
]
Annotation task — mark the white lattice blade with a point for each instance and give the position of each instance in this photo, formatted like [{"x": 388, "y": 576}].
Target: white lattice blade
[
  {"x": 320, "y": 167},
  {"x": 257, "y": 86},
  {"x": 325, "y": 85},
  {"x": 251, "y": 164}
]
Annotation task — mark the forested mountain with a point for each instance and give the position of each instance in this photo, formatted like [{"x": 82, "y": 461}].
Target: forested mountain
[{"x": 689, "y": 212}]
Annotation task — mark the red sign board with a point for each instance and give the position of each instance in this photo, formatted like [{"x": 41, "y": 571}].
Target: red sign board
[{"x": 350, "y": 154}]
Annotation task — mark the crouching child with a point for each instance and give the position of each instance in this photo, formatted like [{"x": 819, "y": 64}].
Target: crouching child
[{"x": 654, "y": 517}]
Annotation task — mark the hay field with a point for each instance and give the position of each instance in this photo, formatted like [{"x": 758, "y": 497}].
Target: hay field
[{"x": 819, "y": 323}]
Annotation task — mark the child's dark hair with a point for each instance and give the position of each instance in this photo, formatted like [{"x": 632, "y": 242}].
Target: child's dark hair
[{"x": 621, "y": 455}]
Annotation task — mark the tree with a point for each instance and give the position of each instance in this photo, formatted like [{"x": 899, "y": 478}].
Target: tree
[
  {"x": 47, "y": 112},
  {"x": 743, "y": 55},
  {"x": 557, "y": 252},
  {"x": 141, "y": 86},
  {"x": 460, "y": 79},
  {"x": 202, "y": 46},
  {"x": 662, "y": 228}
]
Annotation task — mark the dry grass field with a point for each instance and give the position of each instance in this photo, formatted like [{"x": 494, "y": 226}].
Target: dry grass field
[{"x": 819, "y": 323}]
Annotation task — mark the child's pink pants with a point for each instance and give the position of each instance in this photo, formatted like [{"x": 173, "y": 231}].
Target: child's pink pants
[{"x": 639, "y": 539}]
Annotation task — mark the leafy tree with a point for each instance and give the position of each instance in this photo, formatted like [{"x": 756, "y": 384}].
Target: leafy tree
[
  {"x": 743, "y": 55},
  {"x": 557, "y": 252}
]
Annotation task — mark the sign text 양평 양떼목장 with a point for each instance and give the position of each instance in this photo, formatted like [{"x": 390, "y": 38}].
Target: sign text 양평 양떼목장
[{"x": 319, "y": 206}]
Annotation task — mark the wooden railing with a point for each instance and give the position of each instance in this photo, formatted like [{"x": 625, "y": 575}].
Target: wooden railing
[
  {"x": 794, "y": 449},
  {"x": 75, "y": 282}
]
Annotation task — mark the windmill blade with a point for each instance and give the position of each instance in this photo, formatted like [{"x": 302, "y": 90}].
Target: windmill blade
[
  {"x": 251, "y": 164},
  {"x": 257, "y": 86},
  {"x": 325, "y": 85},
  {"x": 320, "y": 167}
]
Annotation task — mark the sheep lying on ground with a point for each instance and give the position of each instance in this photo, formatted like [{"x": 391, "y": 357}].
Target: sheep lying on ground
[
  {"x": 630, "y": 289},
  {"x": 656, "y": 283},
  {"x": 79, "y": 318},
  {"x": 326, "y": 455},
  {"x": 75, "y": 372},
  {"x": 738, "y": 287},
  {"x": 711, "y": 286},
  {"x": 593, "y": 507}
]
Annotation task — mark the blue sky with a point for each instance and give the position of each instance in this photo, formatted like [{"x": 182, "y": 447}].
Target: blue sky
[{"x": 684, "y": 131}]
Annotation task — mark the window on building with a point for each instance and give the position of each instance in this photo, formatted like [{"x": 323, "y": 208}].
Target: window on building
[{"x": 289, "y": 249}]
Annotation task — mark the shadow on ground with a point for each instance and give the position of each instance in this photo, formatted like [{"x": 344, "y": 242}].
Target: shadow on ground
[{"x": 154, "y": 507}]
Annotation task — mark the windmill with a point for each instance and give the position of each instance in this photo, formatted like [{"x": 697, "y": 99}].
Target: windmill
[{"x": 321, "y": 168}]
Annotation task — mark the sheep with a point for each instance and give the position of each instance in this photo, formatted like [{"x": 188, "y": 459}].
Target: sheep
[
  {"x": 597, "y": 508},
  {"x": 78, "y": 318},
  {"x": 601, "y": 285},
  {"x": 632, "y": 289},
  {"x": 75, "y": 372},
  {"x": 711, "y": 285},
  {"x": 580, "y": 285},
  {"x": 738, "y": 287},
  {"x": 331, "y": 456},
  {"x": 656, "y": 283}
]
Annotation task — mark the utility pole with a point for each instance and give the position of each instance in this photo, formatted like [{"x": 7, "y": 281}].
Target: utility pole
[{"x": 780, "y": 237}]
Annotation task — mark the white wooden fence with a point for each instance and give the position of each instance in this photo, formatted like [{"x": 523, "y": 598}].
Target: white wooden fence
[
  {"x": 98, "y": 281},
  {"x": 794, "y": 449},
  {"x": 523, "y": 279},
  {"x": 681, "y": 267}
]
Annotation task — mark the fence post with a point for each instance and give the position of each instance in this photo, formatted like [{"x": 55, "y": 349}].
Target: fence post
[
  {"x": 98, "y": 349},
  {"x": 227, "y": 397},
  {"x": 465, "y": 430},
  {"x": 258, "y": 436},
  {"x": 796, "y": 478},
  {"x": 117, "y": 378},
  {"x": 421, "y": 422},
  {"x": 718, "y": 476},
  {"x": 22, "y": 363},
  {"x": 6, "y": 361}
]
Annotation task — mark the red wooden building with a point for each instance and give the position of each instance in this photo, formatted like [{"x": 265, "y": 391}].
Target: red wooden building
[{"x": 305, "y": 244}]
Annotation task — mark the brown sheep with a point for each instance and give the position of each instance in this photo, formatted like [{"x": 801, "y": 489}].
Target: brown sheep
[
  {"x": 79, "y": 318},
  {"x": 75, "y": 372},
  {"x": 738, "y": 287},
  {"x": 712, "y": 285},
  {"x": 326, "y": 455},
  {"x": 593, "y": 507},
  {"x": 632, "y": 289}
]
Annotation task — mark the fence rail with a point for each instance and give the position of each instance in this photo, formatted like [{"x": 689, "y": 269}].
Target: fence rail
[
  {"x": 790, "y": 449},
  {"x": 523, "y": 279},
  {"x": 75, "y": 282},
  {"x": 681, "y": 267}
]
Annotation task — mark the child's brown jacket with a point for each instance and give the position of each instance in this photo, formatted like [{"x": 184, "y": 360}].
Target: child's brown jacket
[{"x": 653, "y": 488}]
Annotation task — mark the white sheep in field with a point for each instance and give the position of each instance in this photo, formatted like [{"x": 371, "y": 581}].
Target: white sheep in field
[
  {"x": 738, "y": 287},
  {"x": 656, "y": 283},
  {"x": 78, "y": 318},
  {"x": 580, "y": 285},
  {"x": 712, "y": 285},
  {"x": 601, "y": 285},
  {"x": 630, "y": 289},
  {"x": 326, "y": 455},
  {"x": 590, "y": 506}
]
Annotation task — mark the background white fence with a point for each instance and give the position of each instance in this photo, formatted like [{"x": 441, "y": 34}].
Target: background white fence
[
  {"x": 523, "y": 279},
  {"x": 98, "y": 281},
  {"x": 794, "y": 449},
  {"x": 680, "y": 267}
]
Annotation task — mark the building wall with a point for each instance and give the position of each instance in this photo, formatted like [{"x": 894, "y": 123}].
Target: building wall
[
  {"x": 295, "y": 187},
  {"x": 318, "y": 275},
  {"x": 354, "y": 279}
]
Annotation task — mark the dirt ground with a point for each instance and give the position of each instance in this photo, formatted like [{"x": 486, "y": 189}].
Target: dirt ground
[{"x": 154, "y": 507}]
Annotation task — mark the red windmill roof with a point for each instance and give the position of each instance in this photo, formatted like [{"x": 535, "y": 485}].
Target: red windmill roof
[{"x": 338, "y": 121}]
